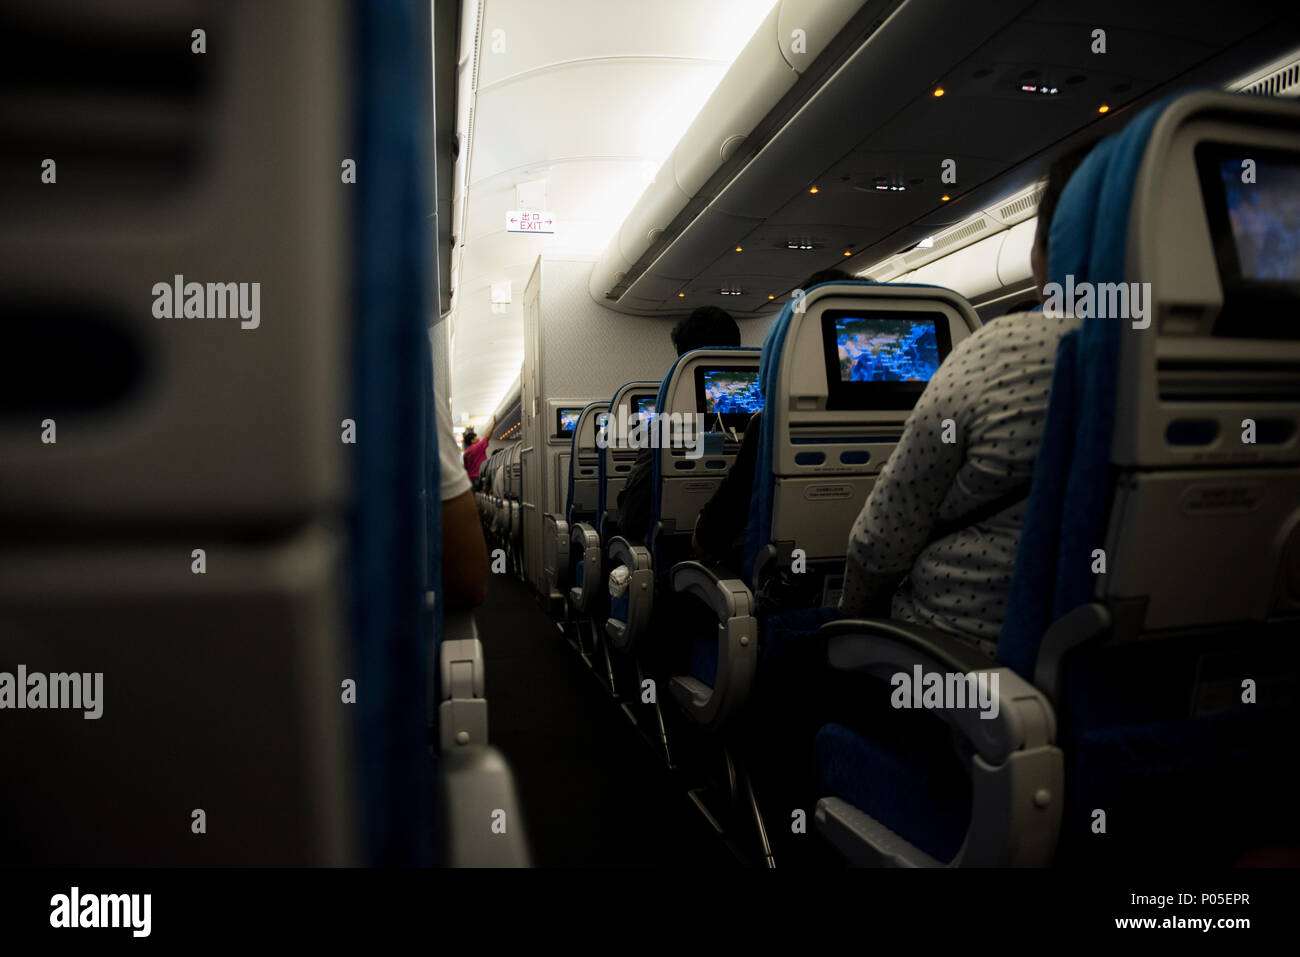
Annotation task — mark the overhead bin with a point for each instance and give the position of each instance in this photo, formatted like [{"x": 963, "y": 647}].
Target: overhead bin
[
  {"x": 872, "y": 108},
  {"x": 764, "y": 72}
]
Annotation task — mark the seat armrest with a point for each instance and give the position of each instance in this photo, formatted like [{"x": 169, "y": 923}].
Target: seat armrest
[
  {"x": 640, "y": 591},
  {"x": 462, "y": 711},
  {"x": 1008, "y": 739},
  {"x": 1083, "y": 624},
  {"x": 725, "y": 597},
  {"x": 956, "y": 652},
  {"x": 1017, "y": 715},
  {"x": 733, "y": 606},
  {"x": 586, "y": 541},
  {"x": 555, "y": 554},
  {"x": 481, "y": 822}
]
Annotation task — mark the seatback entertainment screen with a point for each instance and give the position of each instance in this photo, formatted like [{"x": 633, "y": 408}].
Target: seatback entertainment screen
[
  {"x": 728, "y": 391},
  {"x": 1265, "y": 218},
  {"x": 886, "y": 350},
  {"x": 1252, "y": 206},
  {"x": 566, "y": 420},
  {"x": 881, "y": 360}
]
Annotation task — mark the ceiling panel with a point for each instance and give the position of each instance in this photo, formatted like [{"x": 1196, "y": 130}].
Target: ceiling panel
[
  {"x": 880, "y": 118},
  {"x": 590, "y": 96}
]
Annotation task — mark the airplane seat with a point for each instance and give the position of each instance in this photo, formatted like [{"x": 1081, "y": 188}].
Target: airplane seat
[
  {"x": 515, "y": 495},
  {"x": 250, "y": 588},
  {"x": 579, "y": 505},
  {"x": 614, "y": 462},
  {"x": 500, "y": 511},
  {"x": 1146, "y": 670},
  {"x": 583, "y": 570},
  {"x": 822, "y": 441},
  {"x": 676, "y": 498}
]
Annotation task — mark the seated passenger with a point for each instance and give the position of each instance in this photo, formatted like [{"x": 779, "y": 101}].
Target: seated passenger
[
  {"x": 706, "y": 327},
  {"x": 465, "y": 557},
  {"x": 720, "y": 529},
  {"x": 948, "y": 515}
]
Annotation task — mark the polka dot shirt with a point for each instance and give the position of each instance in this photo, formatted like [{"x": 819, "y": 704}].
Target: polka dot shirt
[{"x": 992, "y": 392}]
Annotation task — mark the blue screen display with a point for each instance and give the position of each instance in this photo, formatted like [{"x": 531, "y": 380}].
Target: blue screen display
[
  {"x": 886, "y": 350},
  {"x": 1265, "y": 218},
  {"x": 731, "y": 391}
]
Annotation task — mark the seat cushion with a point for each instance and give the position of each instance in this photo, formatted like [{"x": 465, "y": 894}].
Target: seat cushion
[{"x": 914, "y": 791}]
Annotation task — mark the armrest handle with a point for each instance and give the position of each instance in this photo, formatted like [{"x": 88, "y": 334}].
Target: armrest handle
[
  {"x": 733, "y": 605},
  {"x": 640, "y": 591},
  {"x": 482, "y": 825},
  {"x": 1010, "y": 714},
  {"x": 954, "y": 651},
  {"x": 462, "y": 711},
  {"x": 586, "y": 541},
  {"x": 1017, "y": 772}
]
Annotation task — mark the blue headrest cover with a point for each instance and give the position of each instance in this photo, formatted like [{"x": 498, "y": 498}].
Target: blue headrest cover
[{"x": 1069, "y": 503}]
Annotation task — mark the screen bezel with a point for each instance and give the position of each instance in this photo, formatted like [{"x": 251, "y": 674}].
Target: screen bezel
[
  {"x": 889, "y": 396},
  {"x": 731, "y": 420},
  {"x": 1252, "y": 308},
  {"x": 560, "y": 431}
]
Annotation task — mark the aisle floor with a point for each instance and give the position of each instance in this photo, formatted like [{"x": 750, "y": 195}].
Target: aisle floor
[{"x": 592, "y": 791}]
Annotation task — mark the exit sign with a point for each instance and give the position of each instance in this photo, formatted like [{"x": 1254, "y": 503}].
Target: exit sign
[{"x": 530, "y": 221}]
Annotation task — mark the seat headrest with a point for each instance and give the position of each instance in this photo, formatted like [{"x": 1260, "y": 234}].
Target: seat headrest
[{"x": 1069, "y": 502}]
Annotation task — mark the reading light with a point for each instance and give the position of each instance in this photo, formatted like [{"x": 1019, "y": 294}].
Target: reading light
[
  {"x": 945, "y": 197},
  {"x": 847, "y": 253},
  {"x": 1103, "y": 108},
  {"x": 771, "y": 297},
  {"x": 938, "y": 91},
  {"x": 813, "y": 190},
  {"x": 681, "y": 295},
  {"x": 739, "y": 249}
]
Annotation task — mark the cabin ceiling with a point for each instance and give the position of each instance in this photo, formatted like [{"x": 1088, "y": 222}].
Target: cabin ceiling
[
  {"x": 878, "y": 120},
  {"x": 587, "y": 97},
  {"x": 590, "y": 96}
]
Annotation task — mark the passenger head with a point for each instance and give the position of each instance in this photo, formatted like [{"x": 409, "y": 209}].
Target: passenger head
[
  {"x": 706, "y": 328},
  {"x": 469, "y": 438},
  {"x": 826, "y": 275},
  {"x": 1057, "y": 176}
]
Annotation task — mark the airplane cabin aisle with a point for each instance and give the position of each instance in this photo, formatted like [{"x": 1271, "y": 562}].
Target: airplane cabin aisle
[{"x": 618, "y": 806}]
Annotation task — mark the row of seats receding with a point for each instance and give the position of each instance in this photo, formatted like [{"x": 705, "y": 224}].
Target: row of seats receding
[
  {"x": 500, "y": 503},
  {"x": 1093, "y": 721},
  {"x": 815, "y": 478}
]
